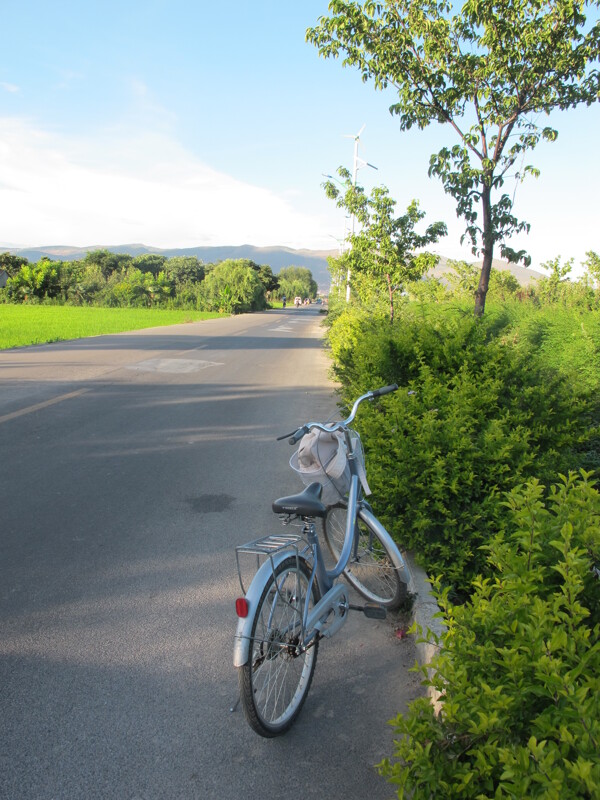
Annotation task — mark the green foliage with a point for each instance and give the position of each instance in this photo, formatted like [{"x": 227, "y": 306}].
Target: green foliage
[
  {"x": 488, "y": 70},
  {"x": 488, "y": 412},
  {"x": 11, "y": 264},
  {"x": 519, "y": 671},
  {"x": 184, "y": 271},
  {"x": 134, "y": 288},
  {"x": 34, "y": 282},
  {"x": 150, "y": 280},
  {"x": 296, "y": 282},
  {"x": 567, "y": 339},
  {"x": 268, "y": 280},
  {"x": 503, "y": 284},
  {"x": 150, "y": 262},
  {"x": 382, "y": 254},
  {"x": 107, "y": 262},
  {"x": 463, "y": 279},
  {"x": 234, "y": 288},
  {"x": 592, "y": 265}
]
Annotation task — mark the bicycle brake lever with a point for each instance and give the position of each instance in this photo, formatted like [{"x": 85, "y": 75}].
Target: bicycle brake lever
[
  {"x": 285, "y": 436},
  {"x": 294, "y": 436},
  {"x": 297, "y": 435}
]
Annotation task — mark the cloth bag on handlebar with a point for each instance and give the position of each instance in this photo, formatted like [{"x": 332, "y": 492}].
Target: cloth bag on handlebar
[{"x": 327, "y": 451}]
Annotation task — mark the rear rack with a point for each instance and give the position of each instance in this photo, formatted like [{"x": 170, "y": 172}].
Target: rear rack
[{"x": 267, "y": 547}]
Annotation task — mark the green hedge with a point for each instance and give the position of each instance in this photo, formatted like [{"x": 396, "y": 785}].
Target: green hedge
[
  {"x": 488, "y": 412},
  {"x": 519, "y": 671}
]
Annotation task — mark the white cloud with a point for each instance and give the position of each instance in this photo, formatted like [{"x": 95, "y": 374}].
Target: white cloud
[
  {"x": 9, "y": 87},
  {"x": 134, "y": 187}
]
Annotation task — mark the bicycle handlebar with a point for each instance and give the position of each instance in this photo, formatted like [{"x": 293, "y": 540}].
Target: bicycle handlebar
[
  {"x": 385, "y": 390},
  {"x": 295, "y": 436}
]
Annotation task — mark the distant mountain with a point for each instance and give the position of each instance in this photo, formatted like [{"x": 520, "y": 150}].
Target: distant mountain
[
  {"x": 275, "y": 257},
  {"x": 522, "y": 274}
]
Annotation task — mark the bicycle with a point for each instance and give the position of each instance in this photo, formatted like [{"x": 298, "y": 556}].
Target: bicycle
[{"x": 294, "y": 601}]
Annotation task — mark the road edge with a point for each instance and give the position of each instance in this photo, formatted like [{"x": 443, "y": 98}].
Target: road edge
[{"x": 426, "y": 616}]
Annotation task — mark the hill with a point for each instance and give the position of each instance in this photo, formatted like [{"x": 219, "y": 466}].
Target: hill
[
  {"x": 275, "y": 257},
  {"x": 524, "y": 275}
]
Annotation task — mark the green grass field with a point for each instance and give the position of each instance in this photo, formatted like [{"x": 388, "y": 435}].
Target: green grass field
[{"x": 23, "y": 325}]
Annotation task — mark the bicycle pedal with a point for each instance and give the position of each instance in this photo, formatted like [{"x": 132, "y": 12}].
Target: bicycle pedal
[{"x": 371, "y": 610}]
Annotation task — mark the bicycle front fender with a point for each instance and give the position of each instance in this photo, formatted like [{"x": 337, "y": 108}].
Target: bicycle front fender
[
  {"x": 241, "y": 644},
  {"x": 400, "y": 563}
]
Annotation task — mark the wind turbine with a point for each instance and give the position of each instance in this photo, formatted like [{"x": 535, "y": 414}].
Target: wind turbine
[{"x": 359, "y": 163}]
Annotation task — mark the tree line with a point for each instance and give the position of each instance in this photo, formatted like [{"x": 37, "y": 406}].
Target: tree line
[{"x": 150, "y": 280}]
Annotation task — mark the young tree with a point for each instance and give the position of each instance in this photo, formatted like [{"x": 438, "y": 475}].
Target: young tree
[
  {"x": 488, "y": 71},
  {"x": 383, "y": 249}
]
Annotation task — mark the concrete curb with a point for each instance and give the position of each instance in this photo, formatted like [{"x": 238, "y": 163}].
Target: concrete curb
[{"x": 424, "y": 609}]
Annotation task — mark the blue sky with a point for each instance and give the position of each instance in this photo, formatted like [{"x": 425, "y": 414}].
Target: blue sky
[{"x": 182, "y": 123}]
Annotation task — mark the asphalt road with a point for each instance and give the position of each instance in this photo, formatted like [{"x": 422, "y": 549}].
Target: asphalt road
[{"x": 130, "y": 467}]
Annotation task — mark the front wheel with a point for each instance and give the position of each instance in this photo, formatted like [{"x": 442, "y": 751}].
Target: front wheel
[
  {"x": 276, "y": 679},
  {"x": 374, "y": 569}
]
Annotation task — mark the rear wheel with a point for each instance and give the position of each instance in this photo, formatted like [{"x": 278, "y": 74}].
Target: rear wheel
[
  {"x": 276, "y": 679},
  {"x": 374, "y": 569}
]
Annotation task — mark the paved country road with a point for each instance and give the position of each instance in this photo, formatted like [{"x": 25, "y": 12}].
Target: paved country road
[{"x": 130, "y": 467}]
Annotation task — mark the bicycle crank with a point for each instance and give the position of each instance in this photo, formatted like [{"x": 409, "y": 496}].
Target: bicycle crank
[{"x": 330, "y": 613}]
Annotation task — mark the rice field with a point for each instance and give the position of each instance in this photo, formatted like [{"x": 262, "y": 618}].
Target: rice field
[{"x": 22, "y": 325}]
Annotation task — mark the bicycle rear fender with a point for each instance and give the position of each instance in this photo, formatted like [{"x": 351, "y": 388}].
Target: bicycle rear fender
[{"x": 241, "y": 645}]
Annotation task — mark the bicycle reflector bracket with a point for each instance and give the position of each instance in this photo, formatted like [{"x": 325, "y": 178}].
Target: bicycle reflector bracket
[{"x": 241, "y": 607}]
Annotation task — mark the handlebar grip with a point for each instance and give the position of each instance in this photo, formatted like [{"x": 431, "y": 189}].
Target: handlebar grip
[
  {"x": 385, "y": 390},
  {"x": 298, "y": 435}
]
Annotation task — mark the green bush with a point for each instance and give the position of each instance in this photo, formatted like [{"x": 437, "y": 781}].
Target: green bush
[
  {"x": 486, "y": 415},
  {"x": 519, "y": 672}
]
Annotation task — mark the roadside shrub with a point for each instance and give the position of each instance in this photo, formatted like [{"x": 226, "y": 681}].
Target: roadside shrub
[
  {"x": 485, "y": 416},
  {"x": 519, "y": 670}
]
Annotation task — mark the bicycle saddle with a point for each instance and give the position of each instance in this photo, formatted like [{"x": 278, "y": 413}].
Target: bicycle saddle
[{"x": 305, "y": 504}]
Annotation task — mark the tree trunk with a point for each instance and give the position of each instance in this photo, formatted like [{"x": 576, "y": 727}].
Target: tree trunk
[
  {"x": 391, "y": 292},
  {"x": 488, "y": 252}
]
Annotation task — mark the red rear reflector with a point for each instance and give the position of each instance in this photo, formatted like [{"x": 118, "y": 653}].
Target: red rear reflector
[{"x": 241, "y": 607}]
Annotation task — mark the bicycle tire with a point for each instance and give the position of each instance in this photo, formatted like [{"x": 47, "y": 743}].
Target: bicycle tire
[
  {"x": 375, "y": 571},
  {"x": 276, "y": 679}
]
